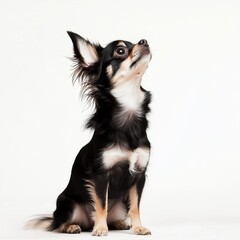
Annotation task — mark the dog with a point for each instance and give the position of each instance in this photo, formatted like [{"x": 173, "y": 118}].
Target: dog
[{"x": 108, "y": 175}]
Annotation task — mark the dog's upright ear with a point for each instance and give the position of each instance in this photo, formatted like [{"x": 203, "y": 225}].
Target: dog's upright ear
[
  {"x": 85, "y": 52},
  {"x": 87, "y": 64}
]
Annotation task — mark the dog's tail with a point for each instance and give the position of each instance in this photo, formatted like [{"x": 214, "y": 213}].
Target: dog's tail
[{"x": 40, "y": 223}]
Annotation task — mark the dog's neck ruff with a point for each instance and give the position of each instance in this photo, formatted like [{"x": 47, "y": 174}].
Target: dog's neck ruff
[
  {"x": 129, "y": 96},
  {"x": 130, "y": 99}
]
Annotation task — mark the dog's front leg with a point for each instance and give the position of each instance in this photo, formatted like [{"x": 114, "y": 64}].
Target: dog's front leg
[
  {"x": 100, "y": 198},
  {"x": 134, "y": 213}
]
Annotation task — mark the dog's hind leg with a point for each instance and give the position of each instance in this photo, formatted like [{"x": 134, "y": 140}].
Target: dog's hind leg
[
  {"x": 117, "y": 216},
  {"x": 62, "y": 217},
  {"x": 72, "y": 228},
  {"x": 119, "y": 225}
]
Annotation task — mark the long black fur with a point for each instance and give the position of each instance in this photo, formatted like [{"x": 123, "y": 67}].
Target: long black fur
[{"x": 88, "y": 170}]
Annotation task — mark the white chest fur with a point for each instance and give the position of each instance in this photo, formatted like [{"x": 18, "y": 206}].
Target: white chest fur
[
  {"x": 129, "y": 96},
  {"x": 138, "y": 159}
]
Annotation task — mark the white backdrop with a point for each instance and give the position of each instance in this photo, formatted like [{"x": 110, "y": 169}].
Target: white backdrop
[{"x": 194, "y": 77}]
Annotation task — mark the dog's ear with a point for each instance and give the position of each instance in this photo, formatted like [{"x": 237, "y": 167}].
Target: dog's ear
[
  {"x": 85, "y": 52},
  {"x": 87, "y": 67}
]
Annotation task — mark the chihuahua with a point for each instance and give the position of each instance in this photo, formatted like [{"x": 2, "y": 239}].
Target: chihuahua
[{"x": 108, "y": 175}]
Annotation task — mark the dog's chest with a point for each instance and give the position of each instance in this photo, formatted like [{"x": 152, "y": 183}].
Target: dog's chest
[{"x": 137, "y": 159}]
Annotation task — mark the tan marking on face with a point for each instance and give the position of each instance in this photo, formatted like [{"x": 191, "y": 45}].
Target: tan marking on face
[
  {"x": 121, "y": 43},
  {"x": 123, "y": 73},
  {"x": 109, "y": 71},
  {"x": 135, "y": 51}
]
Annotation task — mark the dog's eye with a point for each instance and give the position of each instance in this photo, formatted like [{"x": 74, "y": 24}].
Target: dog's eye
[{"x": 121, "y": 52}]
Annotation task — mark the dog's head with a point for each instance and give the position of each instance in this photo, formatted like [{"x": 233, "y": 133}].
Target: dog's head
[{"x": 119, "y": 62}]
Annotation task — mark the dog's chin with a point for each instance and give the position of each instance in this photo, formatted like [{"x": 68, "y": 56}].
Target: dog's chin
[
  {"x": 140, "y": 65},
  {"x": 142, "y": 58}
]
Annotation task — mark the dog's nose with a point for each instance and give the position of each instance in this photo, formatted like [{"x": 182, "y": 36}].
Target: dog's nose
[{"x": 143, "y": 42}]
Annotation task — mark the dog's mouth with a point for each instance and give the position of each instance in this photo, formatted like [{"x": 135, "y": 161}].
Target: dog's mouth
[{"x": 140, "y": 53}]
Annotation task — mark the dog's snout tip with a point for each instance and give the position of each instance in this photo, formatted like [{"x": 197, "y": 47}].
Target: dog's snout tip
[{"x": 143, "y": 42}]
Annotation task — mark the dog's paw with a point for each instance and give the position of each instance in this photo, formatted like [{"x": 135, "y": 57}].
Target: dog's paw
[
  {"x": 100, "y": 231},
  {"x": 73, "y": 229},
  {"x": 141, "y": 230}
]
